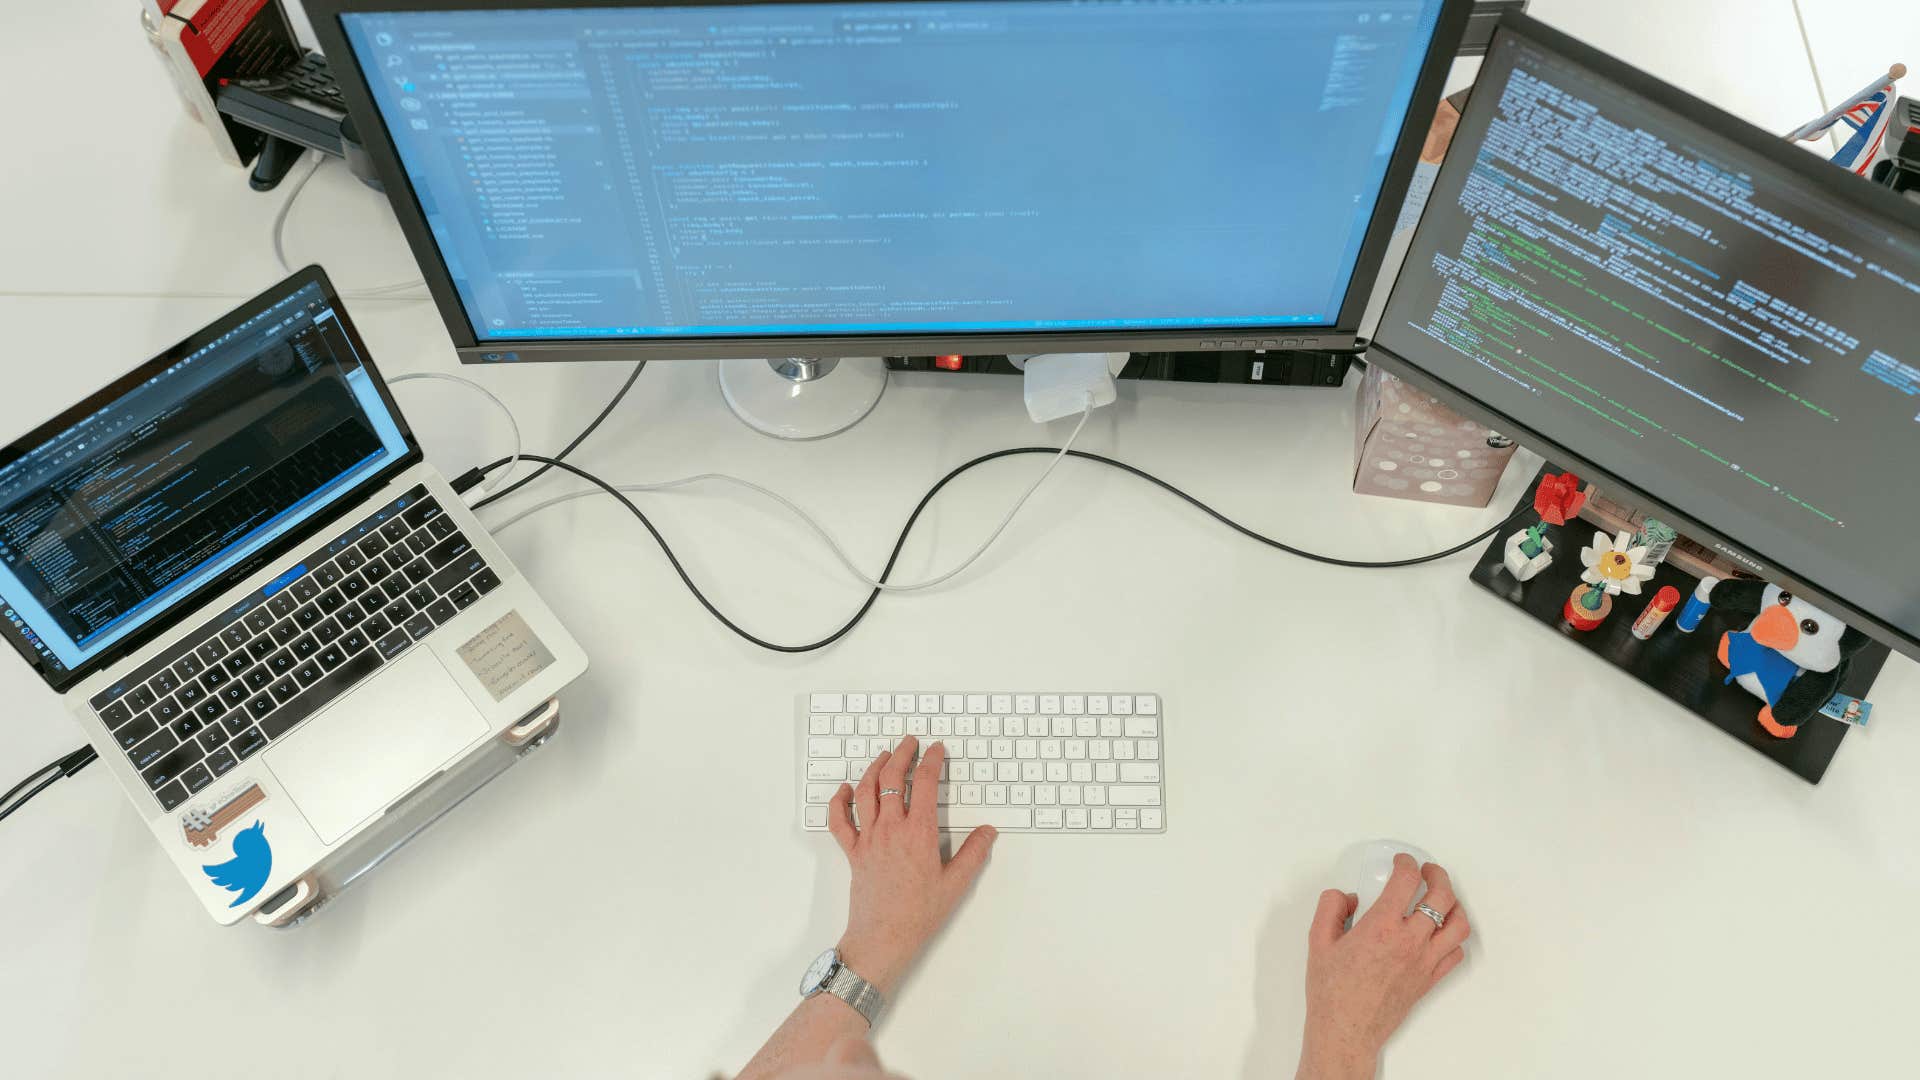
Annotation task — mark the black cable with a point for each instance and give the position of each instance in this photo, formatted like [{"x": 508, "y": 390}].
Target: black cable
[
  {"x": 81, "y": 758},
  {"x": 59, "y": 768},
  {"x": 569, "y": 448},
  {"x": 907, "y": 529}
]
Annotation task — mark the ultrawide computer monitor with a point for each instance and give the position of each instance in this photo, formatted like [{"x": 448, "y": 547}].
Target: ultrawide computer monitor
[
  {"x": 588, "y": 180},
  {"x": 1655, "y": 293}
]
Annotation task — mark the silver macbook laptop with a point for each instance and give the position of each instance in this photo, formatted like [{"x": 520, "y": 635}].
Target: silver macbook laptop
[{"x": 273, "y": 620}]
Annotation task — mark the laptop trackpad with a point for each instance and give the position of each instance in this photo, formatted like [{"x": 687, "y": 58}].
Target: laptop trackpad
[{"x": 375, "y": 744}]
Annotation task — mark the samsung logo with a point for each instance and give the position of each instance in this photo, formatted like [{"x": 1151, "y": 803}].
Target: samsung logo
[{"x": 1739, "y": 558}]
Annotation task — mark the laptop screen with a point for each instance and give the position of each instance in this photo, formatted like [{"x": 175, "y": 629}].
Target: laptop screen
[{"x": 202, "y": 459}]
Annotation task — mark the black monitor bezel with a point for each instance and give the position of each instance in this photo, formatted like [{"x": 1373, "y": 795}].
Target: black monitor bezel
[
  {"x": 1343, "y": 334},
  {"x": 1863, "y": 196},
  {"x": 190, "y": 605}
]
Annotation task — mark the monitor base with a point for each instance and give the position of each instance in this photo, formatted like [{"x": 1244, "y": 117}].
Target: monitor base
[{"x": 793, "y": 397}]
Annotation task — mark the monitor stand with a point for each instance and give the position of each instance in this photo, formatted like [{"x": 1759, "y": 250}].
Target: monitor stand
[{"x": 799, "y": 398}]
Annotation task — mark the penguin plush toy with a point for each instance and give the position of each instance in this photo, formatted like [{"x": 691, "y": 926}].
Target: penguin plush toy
[{"x": 1792, "y": 655}]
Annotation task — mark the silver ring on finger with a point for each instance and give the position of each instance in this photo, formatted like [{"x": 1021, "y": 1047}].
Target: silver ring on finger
[
  {"x": 1439, "y": 920},
  {"x": 884, "y": 792}
]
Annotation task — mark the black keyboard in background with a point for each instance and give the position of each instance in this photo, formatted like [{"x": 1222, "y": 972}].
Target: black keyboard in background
[{"x": 255, "y": 672}]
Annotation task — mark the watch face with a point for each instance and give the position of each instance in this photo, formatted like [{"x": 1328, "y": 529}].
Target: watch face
[{"x": 819, "y": 972}]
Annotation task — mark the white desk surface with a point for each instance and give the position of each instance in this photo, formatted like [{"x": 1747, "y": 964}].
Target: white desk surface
[{"x": 1650, "y": 898}]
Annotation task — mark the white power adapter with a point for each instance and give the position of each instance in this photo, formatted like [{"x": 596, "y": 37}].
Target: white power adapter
[{"x": 1060, "y": 384}]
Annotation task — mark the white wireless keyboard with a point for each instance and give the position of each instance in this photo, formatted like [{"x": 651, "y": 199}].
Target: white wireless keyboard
[{"x": 1038, "y": 763}]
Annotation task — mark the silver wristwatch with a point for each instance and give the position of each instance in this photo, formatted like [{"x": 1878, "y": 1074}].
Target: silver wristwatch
[{"x": 827, "y": 975}]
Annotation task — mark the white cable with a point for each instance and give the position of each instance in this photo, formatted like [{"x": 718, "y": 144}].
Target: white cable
[
  {"x": 279, "y": 235},
  {"x": 501, "y": 474},
  {"x": 819, "y": 529}
]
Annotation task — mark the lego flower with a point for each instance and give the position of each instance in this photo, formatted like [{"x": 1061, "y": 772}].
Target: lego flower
[
  {"x": 1615, "y": 565},
  {"x": 1558, "y": 499}
]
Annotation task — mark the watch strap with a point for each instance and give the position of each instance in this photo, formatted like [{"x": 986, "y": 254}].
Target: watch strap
[{"x": 865, "y": 998}]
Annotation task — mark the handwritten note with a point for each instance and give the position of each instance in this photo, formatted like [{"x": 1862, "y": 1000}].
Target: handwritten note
[{"x": 506, "y": 655}]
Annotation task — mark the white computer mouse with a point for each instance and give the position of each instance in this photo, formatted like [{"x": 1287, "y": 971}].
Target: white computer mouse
[{"x": 1364, "y": 868}]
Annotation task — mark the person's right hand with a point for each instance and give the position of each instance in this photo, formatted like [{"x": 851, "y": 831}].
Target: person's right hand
[
  {"x": 901, "y": 892},
  {"x": 1361, "y": 983}
]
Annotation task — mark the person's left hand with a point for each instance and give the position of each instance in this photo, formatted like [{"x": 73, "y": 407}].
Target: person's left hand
[{"x": 901, "y": 892}]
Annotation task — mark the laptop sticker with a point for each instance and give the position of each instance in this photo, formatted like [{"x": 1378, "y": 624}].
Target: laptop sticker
[
  {"x": 246, "y": 873},
  {"x": 202, "y": 824},
  {"x": 506, "y": 655}
]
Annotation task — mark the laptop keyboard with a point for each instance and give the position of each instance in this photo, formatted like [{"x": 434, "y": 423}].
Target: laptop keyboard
[{"x": 250, "y": 675}]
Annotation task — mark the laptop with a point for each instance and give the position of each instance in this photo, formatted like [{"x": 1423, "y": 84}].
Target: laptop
[{"x": 275, "y": 622}]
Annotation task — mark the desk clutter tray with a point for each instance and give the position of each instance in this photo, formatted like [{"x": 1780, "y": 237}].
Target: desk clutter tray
[{"x": 1682, "y": 666}]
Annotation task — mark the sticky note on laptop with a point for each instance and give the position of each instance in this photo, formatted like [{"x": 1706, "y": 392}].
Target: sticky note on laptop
[{"x": 506, "y": 655}]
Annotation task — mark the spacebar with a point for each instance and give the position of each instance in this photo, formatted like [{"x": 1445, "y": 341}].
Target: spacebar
[
  {"x": 965, "y": 818},
  {"x": 337, "y": 682}
]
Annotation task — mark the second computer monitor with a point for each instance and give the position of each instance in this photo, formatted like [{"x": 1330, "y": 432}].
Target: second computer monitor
[
  {"x": 1667, "y": 298},
  {"x": 591, "y": 180}
]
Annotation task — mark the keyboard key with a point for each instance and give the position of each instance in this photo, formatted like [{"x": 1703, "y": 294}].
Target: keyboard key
[
  {"x": 215, "y": 678},
  {"x": 259, "y": 620},
  {"x": 261, "y": 706},
  {"x": 1146, "y": 704},
  {"x": 247, "y": 743},
  {"x": 420, "y": 625},
  {"x": 326, "y": 632},
  {"x": 1152, "y": 819},
  {"x": 1133, "y": 796},
  {"x": 485, "y": 581},
  {"x": 441, "y": 528},
  {"x": 394, "y": 644},
  {"x": 827, "y": 770},
  {"x": 197, "y": 777},
  {"x": 258, "y": 678},
  {"x": 235, "y": 634},
  {"x": 420, "y": 513},
  {"x": 1076, "y": 817},
  {"x": 172, "y": 795},
  {"x": 967, "y": 818},
  {"x": 285, "y": 690},
  {"x": 129, "y": 734},
  {"x": 395, "y": 588},
  {"x": 282, "y": 604},
  {"x": 283, "y": 663},
  {"x": 376, "y": 627},
  {"x": 394, "y": 531},
  {"x": 373, "y": 546},
  {"x": 464, "y": 597},
  {"x": 235, "y": 722},
  {"x": 420, "y": 543},
  {"x": 307, "y": 617},
  {"x": 260, "y": 648},
  {"x": 350, "y": 616},
  {"x": 305, "y": 647},
  {"x": 331, "y": 657},
  {"x": 441, "y": 610},
  {"x": 448, "y": 549},
  {"x": 285, "y": 631},
  {"x": 234, "y": 693},
  {"x": 353, "y": 587},
  {"x": 317, "y": 696},
  {"x": 1142, "y": 727},
  {"x": 1140, "y": 772},
  {"x": 351, "y": 560},
  {"x": 373, "y": 601},
  {"x": 353, "y": 642},
  {"x": 164, "y": 683},
  {"x": 166, "y": 710},
  {"x": 207, "y": 711},
  {"x": 330, "y": 601},
  {"x": 188, "y": 667},
  {"x": 307, "y": 674},
  {"x": 460, "y": 568},
  {"x": 116, "y": 714},
  {"x": 237, "y": 661},
  {"x": 167, "y": 767},
  {"x": 398, "y": 612},
  {"x": 305, "y": 590},
  {"x": 375, "y": 571},
  {"x": 140, "y": 699},
  {"x": 219, "y": 761},
  {"x": 211, "y": 651},
  {"x": 190, "y": 695}
]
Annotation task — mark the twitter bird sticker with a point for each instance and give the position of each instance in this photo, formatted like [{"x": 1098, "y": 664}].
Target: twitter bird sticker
[{"x": 246, "y": 873}]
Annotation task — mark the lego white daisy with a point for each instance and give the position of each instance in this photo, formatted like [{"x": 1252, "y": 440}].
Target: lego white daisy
[{"x": 1616, "y": 565}]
